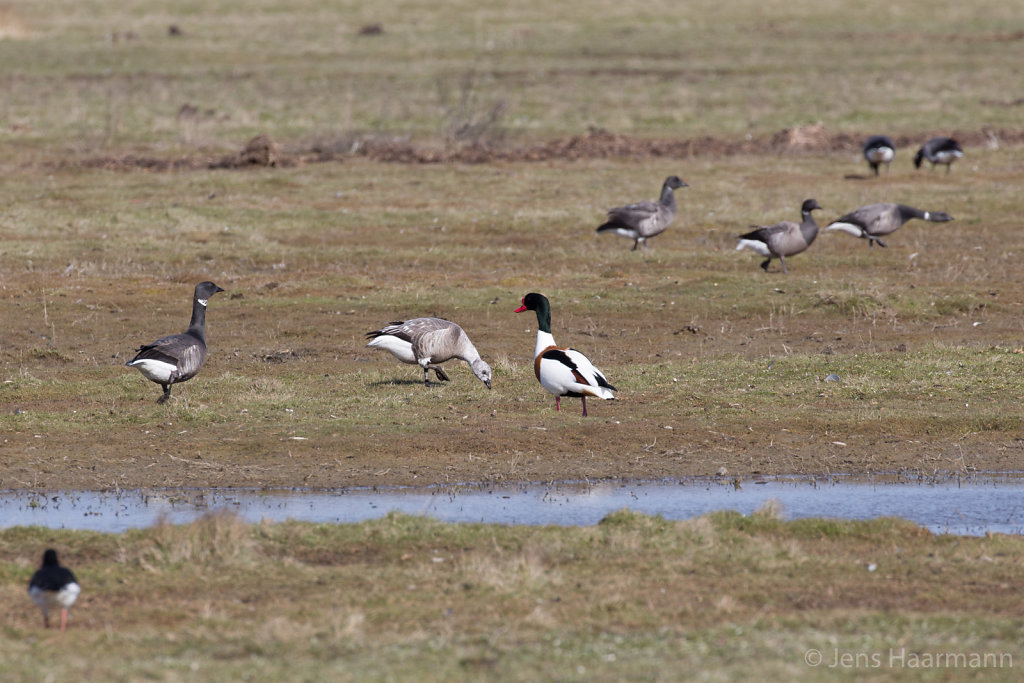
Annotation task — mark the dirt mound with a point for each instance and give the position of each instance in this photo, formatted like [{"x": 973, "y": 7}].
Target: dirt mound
[
  {"x": 596, "y": 143},
  {"x": 260, "y": 151}
]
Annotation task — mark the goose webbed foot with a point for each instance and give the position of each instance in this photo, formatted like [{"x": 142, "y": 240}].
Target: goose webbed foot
[
  {"x": 441, "y": 375},
  {"x": 764, "y": 266},
  {"x": 166, "y": 395}
]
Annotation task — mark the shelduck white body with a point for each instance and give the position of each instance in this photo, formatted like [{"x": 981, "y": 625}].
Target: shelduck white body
[{"x": 562, "y": 371}]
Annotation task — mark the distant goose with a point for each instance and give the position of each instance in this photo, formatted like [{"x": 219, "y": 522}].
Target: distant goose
[
  {"x": 877, "y": 220},
  {"x": 53, "y": 586},
  {"x": 562, "y": 371},
  {"x": 427, "y": 342},
  {"x": 783, "y": 239},
  {"x": 879, "y": 149},
  {"x": 645, "y": 219},
  {"x": 178, "y": 358},
  {"x": 939, "y": 151}
]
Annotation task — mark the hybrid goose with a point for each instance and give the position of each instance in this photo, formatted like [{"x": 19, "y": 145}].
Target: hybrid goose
[
  {"x": 879, "y": 149},
  {"x": 877, "y": 220},
  {"x": 179, "y": 357},
  {"x": 939, "y": 151},
  {"x": 428, "y": 342},
  {"x": 53, "y": 587},
  {"x": 783, "y": 239},
  {"x": 645, "y": 219},
  {"x": 562, "y": 371}
]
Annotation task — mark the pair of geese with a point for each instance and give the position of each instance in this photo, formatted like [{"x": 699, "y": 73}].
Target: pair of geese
[
  {"x": 880, "y": 149},
  {"x": 644, "y": 220},
  {"x": 426, "y": 342}
]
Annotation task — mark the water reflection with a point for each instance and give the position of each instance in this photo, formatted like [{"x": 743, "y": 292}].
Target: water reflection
[{"x": 990, "y": 503}]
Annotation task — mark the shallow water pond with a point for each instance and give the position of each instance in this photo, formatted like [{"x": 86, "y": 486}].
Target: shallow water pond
[{"x": 979, "y": 504}]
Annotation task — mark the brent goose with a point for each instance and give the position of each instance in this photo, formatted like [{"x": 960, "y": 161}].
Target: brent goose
[
  {"x": 879, "y": 149},
  {"x": 939, "y": 151},
  {"x": 876, "y": 220},
  {"x": 53, "y": 586},
  {"x": 427, "y": 342},
  {"x": 783, "y": 239},
  {"x": 178, "y": 358},
  {"x": 645, "y": 219},
  {"x": 562, "y": 371}
]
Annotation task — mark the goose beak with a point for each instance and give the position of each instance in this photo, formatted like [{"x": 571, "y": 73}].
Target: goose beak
[
  {"x": 219, "y": 289},
  {"x": 488, "y": 383},
  {"x": 520, "y": 309}
]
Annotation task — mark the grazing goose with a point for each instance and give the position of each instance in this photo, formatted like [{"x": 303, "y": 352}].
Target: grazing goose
[
  {"x": 53, "y": 586},
  {"x": 876, "y": 220},
  {"x": 939, "y": 151},
  {"x": 783, "y": 239},
  {"x": 879, "y": 149},
  {"x": 645, "y": 219},
  {"x": 427, "y": 342},
  {"x": 562, "y": 371},
  {"x": 178, "y": 358}
]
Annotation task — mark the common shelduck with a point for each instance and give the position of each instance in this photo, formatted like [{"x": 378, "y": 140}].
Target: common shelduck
[
  {"x": 877, "y": 220},
  {"x": 562, "y": 371},
  {"x": 645, "y": 219},
  {"x": 878, "y": 150},
  {"x": 53, "y": 586},
  {"x": 428, "y": 342},
  {"x": 177, "y": 358},
  {"x": 939, "y": 151},
  {"x": 783, "y": 239}
]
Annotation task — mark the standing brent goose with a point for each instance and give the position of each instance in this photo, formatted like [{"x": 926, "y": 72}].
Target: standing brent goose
[
  {"x": 53, "y": 586},
  {"x": 879, "y": 149},
  {"x": 783, "y": 239},
  {"x": 645, "y": 219},
  {"x": 178, "y": 358},
  {"x": 939, "y": 151},
  {"x": 562, "y": 371},
  {"x": 427, "y": 342},
  {"x": 876, "y": 220}
]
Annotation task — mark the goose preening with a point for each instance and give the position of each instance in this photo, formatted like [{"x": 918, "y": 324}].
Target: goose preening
[
  {"x": 53, "y": 587},
  {"x": 178, "y": 358},
  {"x": 562, "y": 371},
  {"x": 645, "y": 219},
  {"x": 879, "y": 149},
  {"x": 877, "y": 220},
  {"x": 939, "y": 151},
  {"x": 783, "y": 239},
  {"x": 428, "y": 342}
]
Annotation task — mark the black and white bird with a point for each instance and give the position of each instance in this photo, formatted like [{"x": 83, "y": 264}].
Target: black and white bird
[
  {"x": 179, "y": 357},
  {"x": 879, "y": 149},
  {"x": 783, "y": 239},
  {"x": 53, "y": 587},
  {"x": 560, "y": 370},
  {"x": 645, "y": 219},
  {"x": 939, "y": 151},
  {"x": 874, "y": 221},
  {"x": 427, "y": 342}
]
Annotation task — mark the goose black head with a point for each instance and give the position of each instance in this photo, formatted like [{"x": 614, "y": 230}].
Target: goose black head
[
  {"x": 675, "y": 182},
  {"x": 204, "y": 290},
  {"x": 810, "y": 205}
]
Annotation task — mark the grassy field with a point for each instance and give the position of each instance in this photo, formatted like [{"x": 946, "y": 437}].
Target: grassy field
[
  {"x": 723, "y": 597},
  {"x": 110, "y": 213}
]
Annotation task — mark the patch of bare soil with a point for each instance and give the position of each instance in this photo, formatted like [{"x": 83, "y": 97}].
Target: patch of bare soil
[{"x": 596, "y": 143}]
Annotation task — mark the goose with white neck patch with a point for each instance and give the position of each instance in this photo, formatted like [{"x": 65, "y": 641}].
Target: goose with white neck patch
[
  {"x": 874, "y": 221},
  {"x": 179, "y": 357}
]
